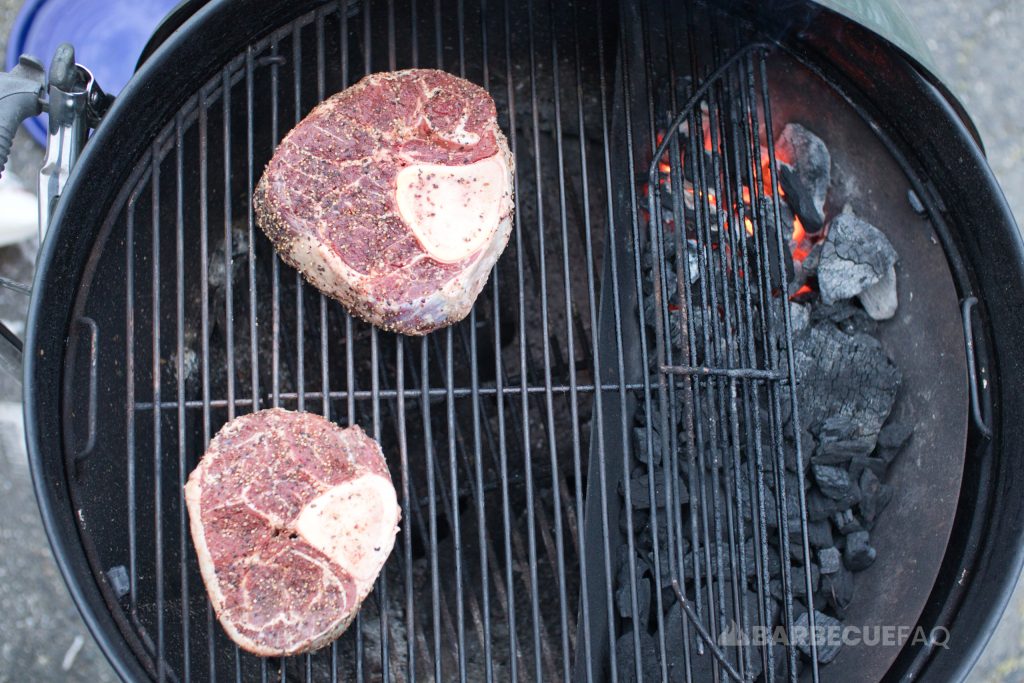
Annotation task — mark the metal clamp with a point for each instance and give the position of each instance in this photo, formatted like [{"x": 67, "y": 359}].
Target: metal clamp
[
  {"x": 75, "y": 103},
  {"x": 966, "y": 307}
]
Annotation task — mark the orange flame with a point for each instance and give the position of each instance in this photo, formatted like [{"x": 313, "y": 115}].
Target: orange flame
[
  {"x": 749, "y": 225},
  {"x": 799, "y": 234}
]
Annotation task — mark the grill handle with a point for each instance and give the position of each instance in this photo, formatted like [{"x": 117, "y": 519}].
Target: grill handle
[{"x": 21, "y": 96}]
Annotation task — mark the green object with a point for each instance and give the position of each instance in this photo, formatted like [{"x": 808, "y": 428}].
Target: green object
[{"x": 886, "y": 18}]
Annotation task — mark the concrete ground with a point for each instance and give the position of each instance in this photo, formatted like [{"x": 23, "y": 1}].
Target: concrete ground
[{"x": 976, "y": 44}]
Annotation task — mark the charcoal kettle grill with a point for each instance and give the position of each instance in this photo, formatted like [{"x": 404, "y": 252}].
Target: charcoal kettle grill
[{"x": 159, "y": 312}]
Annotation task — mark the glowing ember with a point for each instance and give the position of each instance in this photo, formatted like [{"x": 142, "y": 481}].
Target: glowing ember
[
  {"x": 804, "y": 289},
  {"x": 799, "y": 234}
]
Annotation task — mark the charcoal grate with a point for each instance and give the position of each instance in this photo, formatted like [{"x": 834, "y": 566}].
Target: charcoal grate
[{"x": 493, "y": 428}]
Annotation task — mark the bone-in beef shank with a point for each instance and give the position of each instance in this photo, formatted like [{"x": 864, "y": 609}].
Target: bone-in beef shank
[
  {"x": 292, "y": 518},
  {"x": 395, "y": 197}
]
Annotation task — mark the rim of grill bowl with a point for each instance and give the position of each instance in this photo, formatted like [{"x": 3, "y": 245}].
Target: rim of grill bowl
[{"x": 101, "y": 177}]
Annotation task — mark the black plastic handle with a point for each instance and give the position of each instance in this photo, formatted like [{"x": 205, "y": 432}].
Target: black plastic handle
[{"x": 21, "y": 96}]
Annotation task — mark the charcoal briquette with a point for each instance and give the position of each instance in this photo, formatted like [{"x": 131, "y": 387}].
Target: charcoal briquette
[
  {"x": 858, "y": 554},
  {"x": 829, "y": 560},
  {"x": 641, "y": 452},
  {"x": 876, "y": 496},
  {"x": 624, "y": 601},
  {"x": 838, "y": 589},
  {"x": 846, "y": 522},
  {"x": 859, "y": 464},
  {"x": 833, "y": 481},
  {"x": 819, "y": 534},
  {"x": 820, "y": 507},
  {"x": 826, "y": 647},
  {"x": 625, "y": 657},
  {"x": 895, "y": 434}
]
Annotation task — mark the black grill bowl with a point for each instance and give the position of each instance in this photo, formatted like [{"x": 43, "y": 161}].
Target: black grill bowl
[{"x": 487, "y": 426}]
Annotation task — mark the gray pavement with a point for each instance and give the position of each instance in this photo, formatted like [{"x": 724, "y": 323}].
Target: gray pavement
[{"x": 977, "y": 46}]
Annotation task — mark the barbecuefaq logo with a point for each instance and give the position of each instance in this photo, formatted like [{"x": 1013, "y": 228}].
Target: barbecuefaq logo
[{"x": 833, "y": 634}]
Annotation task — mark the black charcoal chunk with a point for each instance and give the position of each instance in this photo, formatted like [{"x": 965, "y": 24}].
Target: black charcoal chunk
[
  {"x": 838, "y": 590},
  {"x": 804, "y": 175},
  {"x": 117, "y": 577},
  {"x": 622, "y": 577},
  {"x": 855, "y": 256},
  {"x": 827, "y": 635},
  {"x": 829, "y": 560},
  {"x": 861, "y": 463},
  {"x": 875, "y": 496},
  {"x": 799, "y": 581},
  {"x": 895, "y": 434},
  {"x": 846, "y": 523},
  {"x": 833, "y": 481},
  {"x": 640, "y": 450},
  {"x": 843, "y": 374},
  {"x": 846, "y": 316},
  {"x": 819, "y": 534},
  {"x": 640, "y": 493},
  {"x": 858, "y": 555},
  {"x": 838, "y": 452},
  {"x": 624, "y": 601},
  {"x": 807, "y": 447},
  {"x": 819, "y": 506},
  {"x": 625, "y": 657},
  {"x": 726, "y": 635}
]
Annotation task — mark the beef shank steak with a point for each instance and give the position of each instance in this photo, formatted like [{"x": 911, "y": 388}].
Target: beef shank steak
[
  {"x": 395, "y": 197},
  {"x": 292, "y": 519}
]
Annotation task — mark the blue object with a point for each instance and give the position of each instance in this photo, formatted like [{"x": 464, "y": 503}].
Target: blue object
[{"x": 108, "y": 36}]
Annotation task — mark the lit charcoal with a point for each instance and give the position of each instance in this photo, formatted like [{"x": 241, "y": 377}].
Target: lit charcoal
[
  {"x": 857, "y": 256},
  {"x": 858, "y": 554},
  {"x": 804, "y": 170},
  {"x": 841, "y": 374},
  {"x": 827, "y": 636},
  {"x": 829, "y": 560},
  {"x": 799, "y": 316},
  {"x": 847, "y": 316}
]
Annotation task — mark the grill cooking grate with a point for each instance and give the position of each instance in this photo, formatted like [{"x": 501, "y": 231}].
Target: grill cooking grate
[{"x": 489, "y": 425}]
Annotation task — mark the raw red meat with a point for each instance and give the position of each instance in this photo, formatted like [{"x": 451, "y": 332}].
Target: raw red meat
[
  {"x": 395, "y": 197},
  {"x": 292, "y": 518}
]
